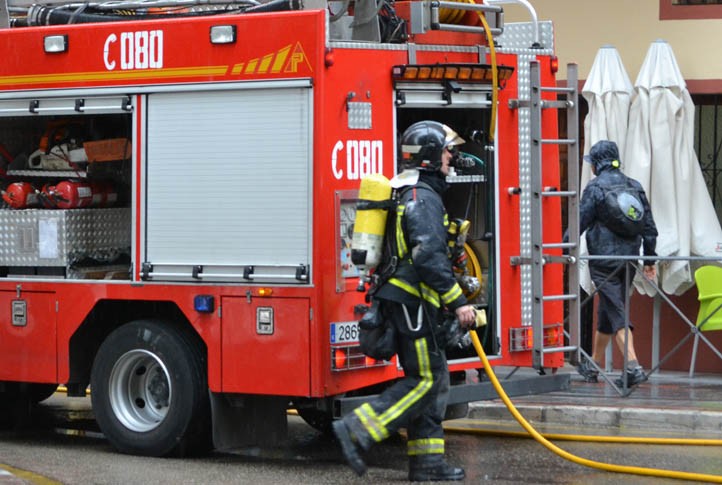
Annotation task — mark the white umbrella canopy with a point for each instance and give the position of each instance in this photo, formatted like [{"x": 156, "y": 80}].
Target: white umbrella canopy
[
  {"x": 660, "y": 154},
  {"x": 608, "y": 91}
]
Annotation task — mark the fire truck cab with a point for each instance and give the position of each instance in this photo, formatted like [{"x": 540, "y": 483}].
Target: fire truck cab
[{"x": 180, "y": 187}]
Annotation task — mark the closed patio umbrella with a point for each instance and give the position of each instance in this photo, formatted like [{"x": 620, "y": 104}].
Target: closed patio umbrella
[
  {"x": 660, "y": 154},
  {"x": 608, "y": 91}
]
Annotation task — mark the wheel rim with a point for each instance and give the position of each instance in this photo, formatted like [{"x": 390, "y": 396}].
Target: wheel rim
[{"x": 140, "y": 390}]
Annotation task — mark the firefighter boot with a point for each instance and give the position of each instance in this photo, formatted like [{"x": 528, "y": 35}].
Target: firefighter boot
[
  {"x": 433, "y": 468},
  {"x": 349, "y": 447}
]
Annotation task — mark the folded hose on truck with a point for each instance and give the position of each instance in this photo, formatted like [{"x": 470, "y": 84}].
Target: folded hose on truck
[
  {"x": 60, "y": 15},
  {"x": 634, "y": 470}
]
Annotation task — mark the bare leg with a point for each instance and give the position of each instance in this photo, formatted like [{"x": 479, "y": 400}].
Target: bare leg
[
  {"x": 601, "y": 340},
  {"x": 619, "y": 337}
]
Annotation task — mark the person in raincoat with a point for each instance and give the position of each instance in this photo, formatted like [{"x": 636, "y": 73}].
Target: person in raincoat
[
  {"x": 414, "y": 298},
  {"x": 606, "y": 235}
]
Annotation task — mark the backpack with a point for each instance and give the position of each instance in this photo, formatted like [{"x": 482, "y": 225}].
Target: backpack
[
  {"x": 624, "y": 210},
  {"x": 377, "y": 334}
]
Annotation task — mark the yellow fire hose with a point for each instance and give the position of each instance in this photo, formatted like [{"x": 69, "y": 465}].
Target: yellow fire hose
[
  {"x": 494, "y": 74},
  {"x": 652, "y": 472},
  {"x": 640, "y": 440}
]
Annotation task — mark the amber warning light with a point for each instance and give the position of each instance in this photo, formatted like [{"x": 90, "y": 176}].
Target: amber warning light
[
  {"x": 522, "y": 338},
  {"x": 475, "y": 73}
]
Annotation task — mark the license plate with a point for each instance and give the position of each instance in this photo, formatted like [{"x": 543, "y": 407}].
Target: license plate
[{"x": 344, "y": 332}]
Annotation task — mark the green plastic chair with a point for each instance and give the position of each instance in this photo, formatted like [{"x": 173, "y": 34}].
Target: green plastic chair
[{"x": 709, "y": 317}]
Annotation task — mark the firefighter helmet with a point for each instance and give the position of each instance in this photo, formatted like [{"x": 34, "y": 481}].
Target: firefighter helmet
[{"x": 423, "y": 143}]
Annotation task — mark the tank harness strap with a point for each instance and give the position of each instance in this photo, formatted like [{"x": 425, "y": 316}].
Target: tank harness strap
[
  {"x": 401, "y": 248},
  {"x": 365, "y": 204}
]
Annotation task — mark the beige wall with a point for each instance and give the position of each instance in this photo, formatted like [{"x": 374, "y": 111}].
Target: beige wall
[{"x": 581, "y": 27}]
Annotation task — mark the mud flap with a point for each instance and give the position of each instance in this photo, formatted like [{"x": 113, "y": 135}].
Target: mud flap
[{"x": 246, "y": 420}]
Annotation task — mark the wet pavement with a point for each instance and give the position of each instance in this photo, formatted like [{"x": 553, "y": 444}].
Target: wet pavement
[{"x": 669, "y": 402}]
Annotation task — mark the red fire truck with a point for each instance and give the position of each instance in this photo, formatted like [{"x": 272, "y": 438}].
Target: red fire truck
[{"x": 180, "y": 186}]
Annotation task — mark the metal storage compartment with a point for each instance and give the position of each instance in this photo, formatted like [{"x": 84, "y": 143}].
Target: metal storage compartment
[{"x": 61, "y": 238}]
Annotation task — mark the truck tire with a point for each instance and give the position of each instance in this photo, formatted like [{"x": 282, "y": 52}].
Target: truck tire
[{"x": 149, "y": 390}]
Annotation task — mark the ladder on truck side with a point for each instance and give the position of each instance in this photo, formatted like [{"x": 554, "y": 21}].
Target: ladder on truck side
[{"x": 539, "y": 256}]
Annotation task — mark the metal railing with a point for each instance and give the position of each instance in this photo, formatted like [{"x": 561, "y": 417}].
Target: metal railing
[{"x": 631, "y": 266}]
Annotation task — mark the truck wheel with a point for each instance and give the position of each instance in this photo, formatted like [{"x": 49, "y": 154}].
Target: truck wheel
[{"x": 149, "y": 390}]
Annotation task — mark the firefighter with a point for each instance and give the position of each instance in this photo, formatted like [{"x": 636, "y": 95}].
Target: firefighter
[
  {"x": 414, "y": 298},
  {"x": 605, "y": 236}
]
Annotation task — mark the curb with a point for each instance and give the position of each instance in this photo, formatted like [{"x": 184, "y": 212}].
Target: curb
[{"x": 647, "y": 419}]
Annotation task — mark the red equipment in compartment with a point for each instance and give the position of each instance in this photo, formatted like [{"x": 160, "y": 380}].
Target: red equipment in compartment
[
  {"x": 20, "y": 195},
  {"x": 75, "y": 194},
  {"x": 104, "y": 194},
  {"x": 68, "y": 194}
]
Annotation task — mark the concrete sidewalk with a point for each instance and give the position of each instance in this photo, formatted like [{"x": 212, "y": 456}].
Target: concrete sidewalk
[{"x": 669, "y": 402}]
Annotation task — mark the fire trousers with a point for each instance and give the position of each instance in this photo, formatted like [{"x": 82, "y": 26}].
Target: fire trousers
[{"x": 417, "y": 401}]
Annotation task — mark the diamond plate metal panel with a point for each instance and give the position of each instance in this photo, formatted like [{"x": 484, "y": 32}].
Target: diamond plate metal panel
[
  {"x": 44, "y": 238},
  {"x": 525, "y": 184},
  {"x": 359, "y": 115},
  {"x": 518, "y": 39},
  {"x": 519, "y": 36}
]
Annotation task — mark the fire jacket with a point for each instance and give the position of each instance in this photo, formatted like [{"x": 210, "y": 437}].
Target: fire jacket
[
  {"x": 601, "y": 240},
  {"x": 424, "y": 270}
]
